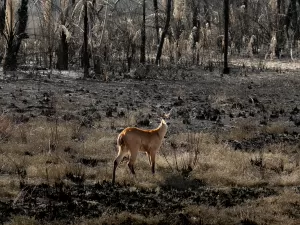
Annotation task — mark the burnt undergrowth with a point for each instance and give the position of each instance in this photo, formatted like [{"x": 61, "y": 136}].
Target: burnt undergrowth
[
  {"x": 62, "y": 202},
  {"x": 263, "y": 140}
]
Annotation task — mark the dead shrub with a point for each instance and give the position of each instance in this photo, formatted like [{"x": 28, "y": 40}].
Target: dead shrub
[
  {"x": 185, "y": 155},
  {"x": 6, "y": 128},
  {"x": 243, "y": 130},
  {"x": 275, "y": 128},
  {"x": 53, "y": 139},
  {"x": 75, "y": 173},
  {"x": 22, "y": 132}
]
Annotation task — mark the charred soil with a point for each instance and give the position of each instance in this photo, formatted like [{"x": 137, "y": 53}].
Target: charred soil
[{"x": 247, "y": 113}]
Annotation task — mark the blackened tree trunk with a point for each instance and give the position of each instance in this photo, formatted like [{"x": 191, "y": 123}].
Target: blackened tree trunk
[
  {"x": 2, "y": 23},
  {"x": 143, "y": 35},
  {"x": 130, "y": 54},
  {"x": 164, "y": 33},
  {"x": 10, "y": 61},
  {"x": 155, "y": 5},
  {"x": 207, "y": 13},
  {"x": 63, "y": 53},
  {"x": 280, "y": 21},
  {"x": 50, "y": 57},
  {"x": 196, "y": 22},
  {"x": 14, "y": 39},
  {"x": 2, "y": 16},
  {"x": 85, "y": 42},
  {"x": 226, "y": 69},
  {"x": 195, "y": 30},
  {"x": 291, "y": 20},
  {"x": 246, "y": 18}
]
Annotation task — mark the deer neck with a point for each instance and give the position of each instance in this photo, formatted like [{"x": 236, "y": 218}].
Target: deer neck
[{"x": 162, "y": 130}]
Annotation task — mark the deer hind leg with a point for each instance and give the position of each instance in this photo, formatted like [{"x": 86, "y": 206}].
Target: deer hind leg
[
  {"x": 121, "y": 154},
  {"x": 152, "y": 158},
  {"x": 149, "y": 158},
  {"x": 133, "y": 155}
]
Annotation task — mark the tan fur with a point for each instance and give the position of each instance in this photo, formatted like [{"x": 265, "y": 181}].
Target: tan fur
[{"x": 132, "y": 140}]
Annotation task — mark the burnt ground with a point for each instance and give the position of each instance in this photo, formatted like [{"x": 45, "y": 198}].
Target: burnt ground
[
  {"x": 203, "y": 101},
  {"x": 66, "y": 203}
]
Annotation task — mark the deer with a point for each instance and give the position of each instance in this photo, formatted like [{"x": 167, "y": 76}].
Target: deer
[{"x": 133, "y": 140}]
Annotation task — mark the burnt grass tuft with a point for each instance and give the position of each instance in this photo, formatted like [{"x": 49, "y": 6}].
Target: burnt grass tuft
[
  {"x": 262, "y": 140},
  {"x": 67, "y": 202}
]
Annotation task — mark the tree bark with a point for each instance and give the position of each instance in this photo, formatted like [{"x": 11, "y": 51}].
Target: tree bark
[
  {"x": 226, "y": 69},
  {"x": 2, "y": 16},
  {"x": 246, "y": 18},
  {"x": 207, "y": 13},
  {"x": 196, "y": 22},
  {"x": 63, "y": 53},
  {"x": 14, "y": 39},
  {"x": 280, "y": 20},
  {"x": 155, "y": 5},
  {"x": 291, "y": 19},
  {"x": 164, "y": 33},
  {"x": 85, "y": 43},
  {"x": 143, "y": 35}
]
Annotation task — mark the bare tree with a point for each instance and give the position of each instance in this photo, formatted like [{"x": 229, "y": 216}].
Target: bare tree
[
  {"x": 291, "y": 23},
  {"x": 14, "y": 31},
  {"x": 155, "y": 5},
  {"x": 2, "y": 22},
  {"x": 280, "y": 20},
  {"x": 91, "y": 27},
  {"x": 226, "y": 69},
  {"x": 164, "y": 33},
  {"x": 85, "y": 42},
  {"x": 65, "y": 10},
  {"x": 2, "y": 16},
  {"x": 143, "y": 35},
  {"x": 195, "y": 21},
  {"x": 63, "y": 52},
  {"x": 47, "y": 28}
]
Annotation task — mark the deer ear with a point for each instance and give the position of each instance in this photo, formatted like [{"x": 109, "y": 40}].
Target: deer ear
[
  {"x": 160, "y": 113},
  {"x": 164, "y": 115},
  {"x": 169, "y": 114}
]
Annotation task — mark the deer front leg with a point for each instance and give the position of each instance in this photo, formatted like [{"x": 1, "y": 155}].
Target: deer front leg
[
  {"x": 152, "y": 157},
  {"x": 132, "y": 159}
]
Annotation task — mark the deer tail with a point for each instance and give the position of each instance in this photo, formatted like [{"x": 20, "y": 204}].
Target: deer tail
[{"x": 120, "y": 140}]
